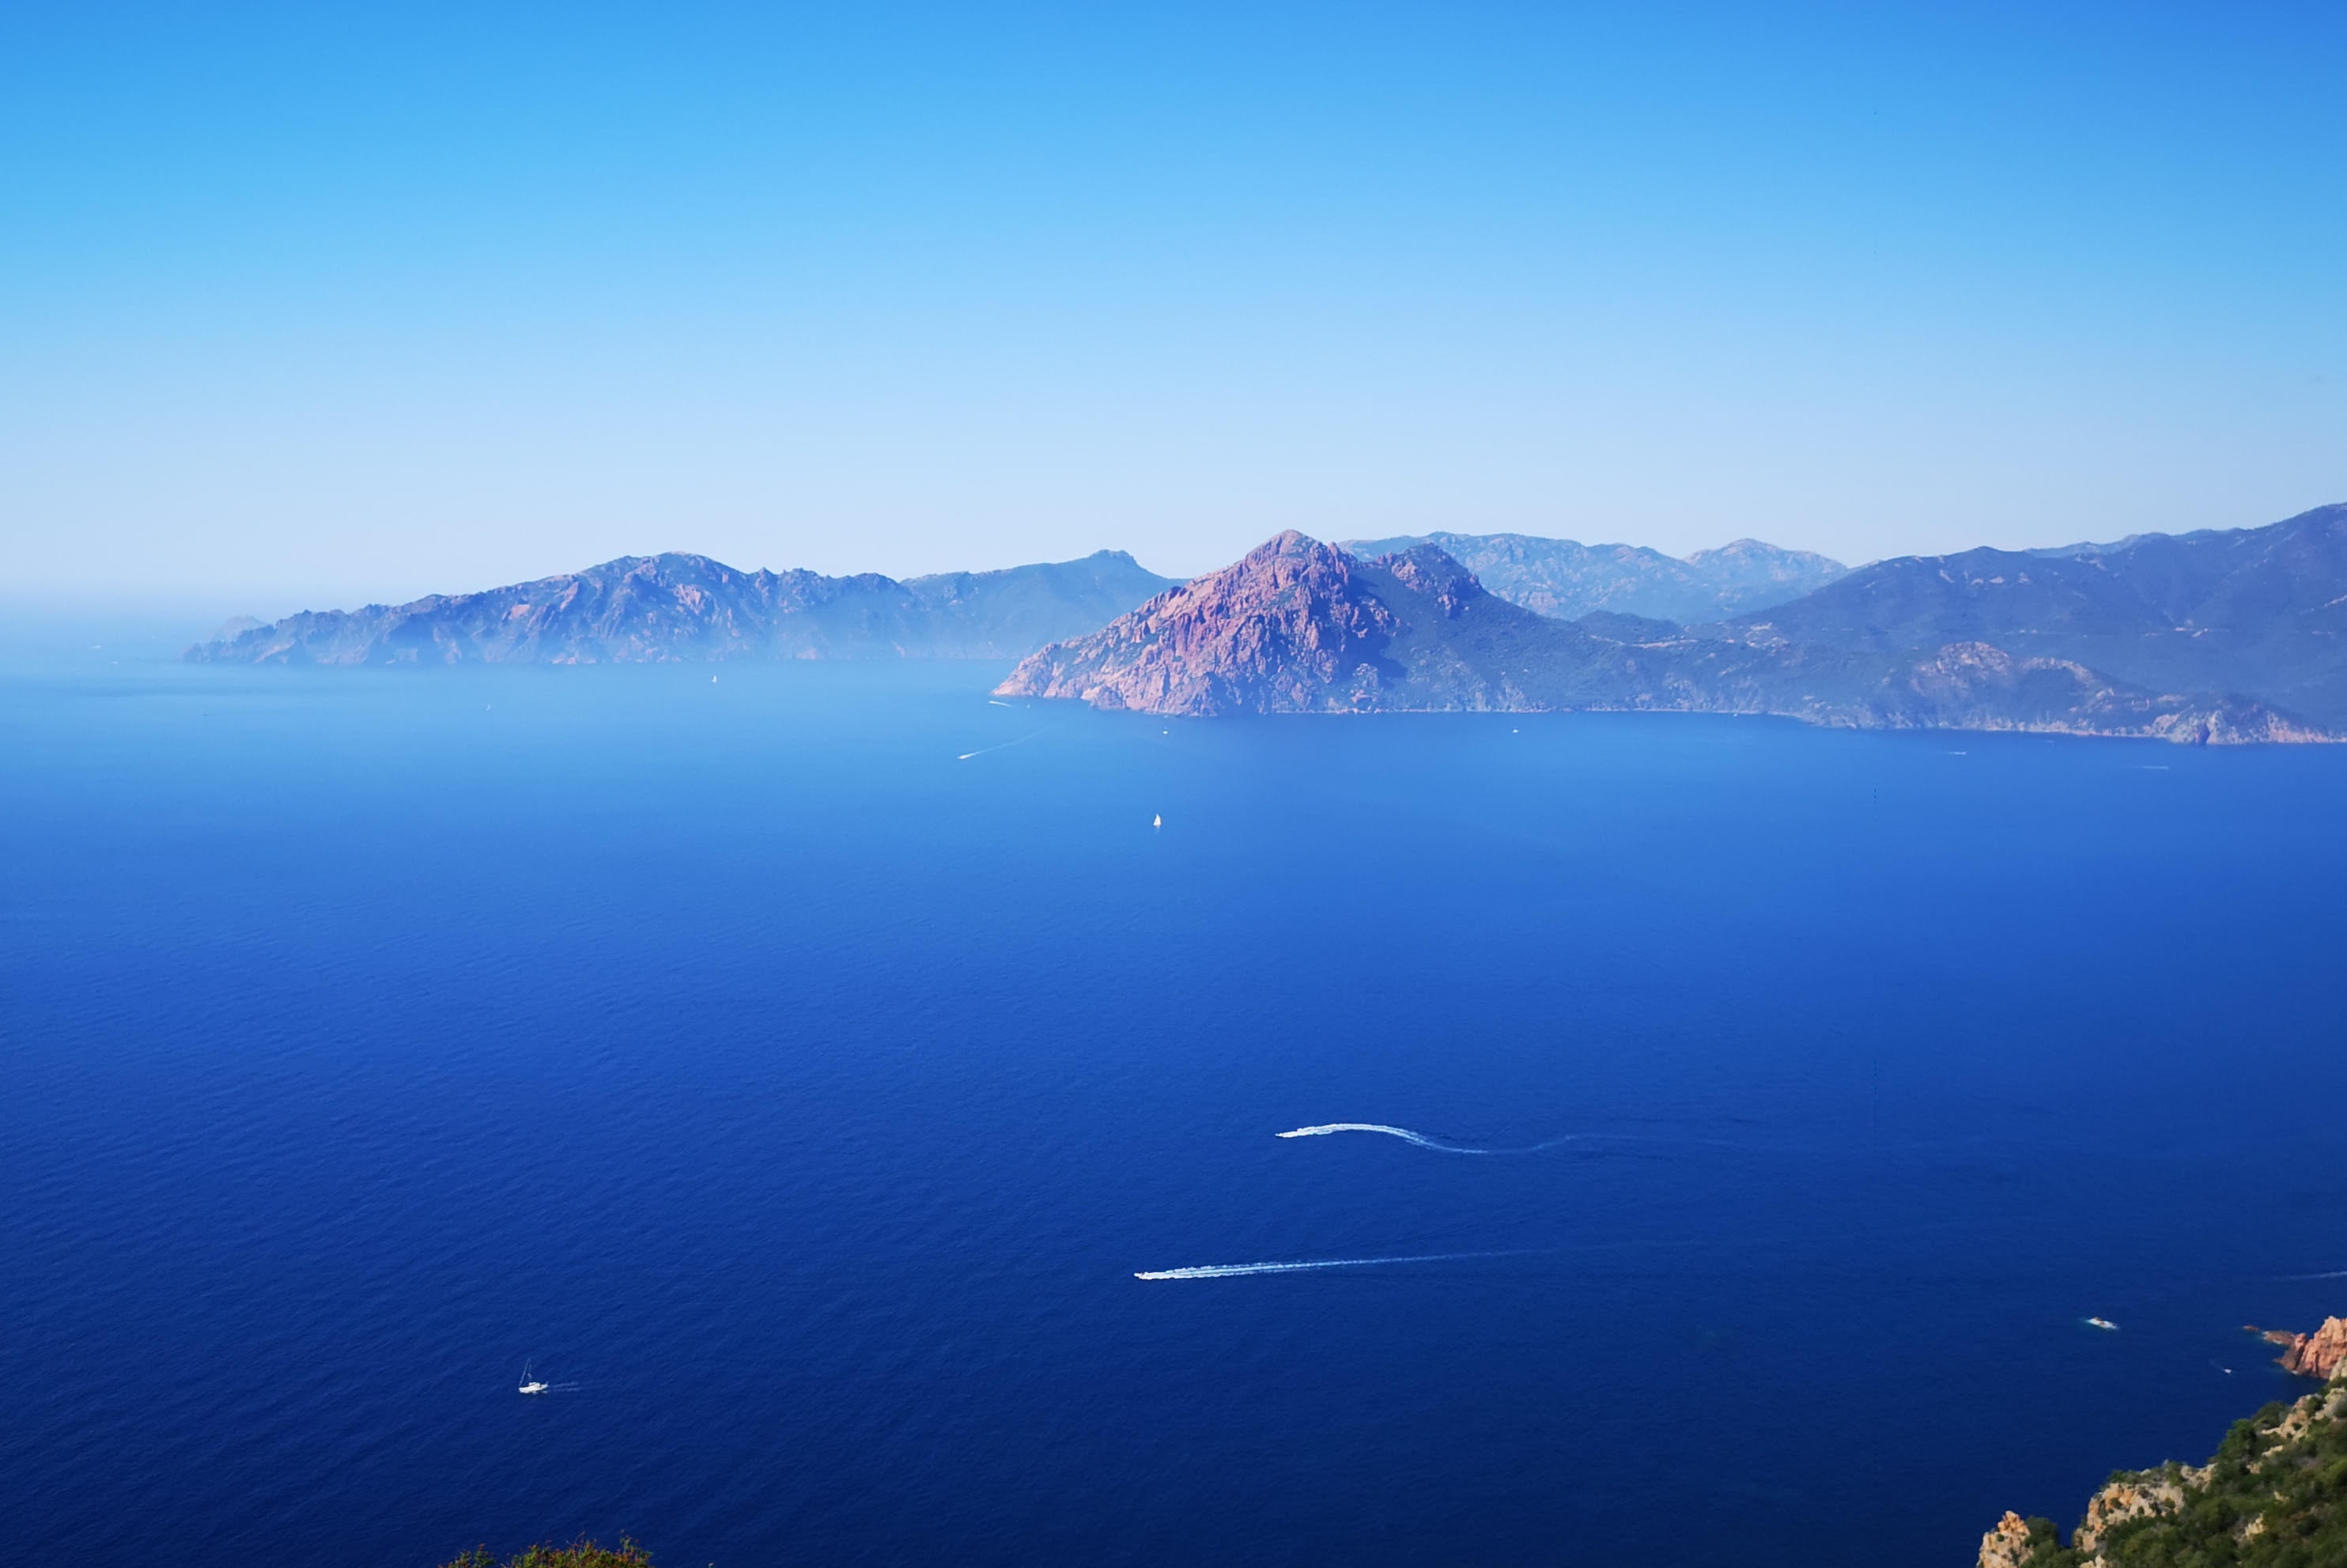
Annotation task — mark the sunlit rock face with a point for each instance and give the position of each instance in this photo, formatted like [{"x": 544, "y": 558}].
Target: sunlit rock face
[{"x": 1300, "y": 627}]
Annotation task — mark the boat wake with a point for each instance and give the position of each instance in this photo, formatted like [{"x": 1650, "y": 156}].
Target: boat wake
[
  {"x": 1234, "y": 1270},
  {"x": 1624, "y": 1141},
  {"x": 1421, "y": 1139},
  {"x": 1003, "y": 747}
]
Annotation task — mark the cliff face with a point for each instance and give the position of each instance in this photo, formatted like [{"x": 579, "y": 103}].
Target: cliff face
[
  {"x": 2157, "y": 1495},
  {"x": 2319, "y": 1354},
  {"x": 1286, "y": 629},
  {"x": 2010, "y": 1544},
  {"x": 669, "y": 607},
  {"x": 1300, "y": 626}
]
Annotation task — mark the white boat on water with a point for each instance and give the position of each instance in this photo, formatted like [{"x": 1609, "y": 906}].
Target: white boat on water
[
  {"x": 530, "y": 1385},
  {"x": 2103, "y": 1322}
]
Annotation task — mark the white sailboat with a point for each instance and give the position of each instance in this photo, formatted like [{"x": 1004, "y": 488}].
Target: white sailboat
[{"x": 530, "y": 1385}]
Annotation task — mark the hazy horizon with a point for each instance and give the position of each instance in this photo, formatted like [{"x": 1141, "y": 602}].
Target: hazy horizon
[{"x": 266, "y": 602}]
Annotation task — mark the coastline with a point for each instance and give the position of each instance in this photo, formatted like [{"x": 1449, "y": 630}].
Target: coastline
[{"x": 2274, "y": 1494}]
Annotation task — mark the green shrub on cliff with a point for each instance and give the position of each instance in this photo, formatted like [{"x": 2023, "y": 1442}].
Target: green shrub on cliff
[
  {"x": 580, "y": 1554},
  {"x": 2274, "y": 1496}
]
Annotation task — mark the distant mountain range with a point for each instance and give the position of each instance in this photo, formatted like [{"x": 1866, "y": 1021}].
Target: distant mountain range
[
  {"x": 1568, "y": 580},
  {"x": 1298, "y": 626},
  {"x": 2218, "y": 636},
  {"x": 2262, "y": 611},
  {"x": 664, "y": 608}
]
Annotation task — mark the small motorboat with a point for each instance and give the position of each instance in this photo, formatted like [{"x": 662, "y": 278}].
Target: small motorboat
[
  {"x": 530, "y": 1385},
  {"x": 2103, "y": 1322}
]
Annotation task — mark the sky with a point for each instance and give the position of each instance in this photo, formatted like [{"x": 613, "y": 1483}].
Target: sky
[{"x": 319, "y": 305}]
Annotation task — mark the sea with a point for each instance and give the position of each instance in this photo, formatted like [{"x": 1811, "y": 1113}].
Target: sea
[{"x": 861, "y": 1101}]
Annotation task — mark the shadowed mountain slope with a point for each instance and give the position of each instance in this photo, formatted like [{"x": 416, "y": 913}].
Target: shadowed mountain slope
[
  {"x": 2258, "y": 611},
  {"x": 669, "y": 607},
  {"x": 1568, "y": 580},
  {"x": 1298, "y": 626}
]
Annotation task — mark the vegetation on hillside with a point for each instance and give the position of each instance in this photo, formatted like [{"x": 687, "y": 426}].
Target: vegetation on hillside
[
  {"x": 580, "y": 1553},
  {"x": 2275, "y": 1496}
]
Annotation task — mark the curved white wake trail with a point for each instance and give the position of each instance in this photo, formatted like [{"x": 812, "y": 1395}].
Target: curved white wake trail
[
  {"x": 1234, "y": 1270},
  {"x": 1421, "y": 1139},
  {"x": 1404, "y": 1133}
]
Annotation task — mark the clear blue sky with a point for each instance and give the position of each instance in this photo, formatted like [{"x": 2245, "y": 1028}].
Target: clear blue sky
[{"x": 337, "y": 302}]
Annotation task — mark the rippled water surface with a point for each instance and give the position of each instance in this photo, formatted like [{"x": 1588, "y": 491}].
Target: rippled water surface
[{"x": 803, "y": 1095}]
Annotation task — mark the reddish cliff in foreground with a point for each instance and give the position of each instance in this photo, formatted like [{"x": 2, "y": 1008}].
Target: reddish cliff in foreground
[{"x": 2319, "y": 1354}]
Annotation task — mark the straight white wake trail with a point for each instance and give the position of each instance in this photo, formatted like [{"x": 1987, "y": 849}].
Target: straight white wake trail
[
  {"x": 1300, "y": 1265},
  {"x": 1003, "y": 747}
]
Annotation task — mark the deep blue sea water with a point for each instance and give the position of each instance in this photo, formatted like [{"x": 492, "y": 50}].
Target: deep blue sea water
[{"x": 803, "y": 1096}]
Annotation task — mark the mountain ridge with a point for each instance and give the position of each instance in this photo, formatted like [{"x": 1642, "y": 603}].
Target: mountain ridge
[
  {"x": 1298, "y": 626},
  {"x": 681, "y": 607},
  {"x": 2262, "y": 611},
  {"x": 2218, "y": 635},
  {"x": 1566, "y": 579}
]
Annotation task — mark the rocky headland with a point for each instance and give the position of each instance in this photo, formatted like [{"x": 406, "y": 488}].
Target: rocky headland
[
  {"x": 2321, "y": 1354},
  {"x": 2274, "y": 1495},
  {"x": 1299, "y": 626},
  {"x": 2261, "y": 613},
  {"x": 674, "y": 608}
]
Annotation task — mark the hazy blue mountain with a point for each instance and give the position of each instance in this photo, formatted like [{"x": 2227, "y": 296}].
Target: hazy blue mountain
[
  {"x": 674, "y": 607},
  {"x": 1298, "y": 626},
  {"x": 1568, "y": 580},
  {"x": 2257, "y": 611}
]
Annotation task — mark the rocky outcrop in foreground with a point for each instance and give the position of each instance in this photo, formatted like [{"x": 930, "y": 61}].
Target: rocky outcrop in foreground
[
  {"x": 667, "y": 608},
  {"x": 1300, "y": 627},
  {"x": 2275, "y": 1495},
  {"x": 2317, "y": 1355}
]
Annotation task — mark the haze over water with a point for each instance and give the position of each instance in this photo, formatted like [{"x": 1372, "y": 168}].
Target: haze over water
[{"x": 809, "y": 1097}]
